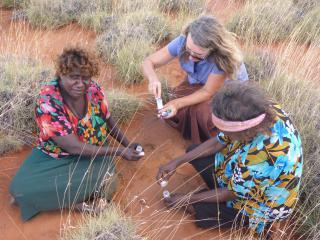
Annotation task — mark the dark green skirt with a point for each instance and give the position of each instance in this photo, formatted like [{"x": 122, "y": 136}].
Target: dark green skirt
[{"x": 44, "y": 183}]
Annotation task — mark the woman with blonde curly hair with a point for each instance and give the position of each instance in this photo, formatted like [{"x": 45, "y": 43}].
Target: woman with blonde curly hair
[
  {"x": 209, "y": 55},
  {"x": 72, "y": 161}
]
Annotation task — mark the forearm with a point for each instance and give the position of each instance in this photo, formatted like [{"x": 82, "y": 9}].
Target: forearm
[
  {"x": 116, "y": 133},
  {"x": 148, "y": 70},
  {"x": 199, "y": 96},
  {"x": 81, "y": 148},
  {"x": 205, "y": 149},
  {"x": 217, "y": 195}
]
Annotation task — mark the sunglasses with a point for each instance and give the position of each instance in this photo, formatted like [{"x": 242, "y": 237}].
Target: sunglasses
[{"x": 196, "y": 56}]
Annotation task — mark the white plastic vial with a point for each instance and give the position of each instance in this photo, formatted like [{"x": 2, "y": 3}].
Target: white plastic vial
[
  {"x": 159, "y": 103},
  {"x": 166, "y": 194},
  {"x": 163, "y": 183}
]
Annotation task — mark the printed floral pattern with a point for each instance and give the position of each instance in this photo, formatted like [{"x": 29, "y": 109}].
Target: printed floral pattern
[
  {"x": 54, "y": 118},
  {"x": 264, "y": 174}
]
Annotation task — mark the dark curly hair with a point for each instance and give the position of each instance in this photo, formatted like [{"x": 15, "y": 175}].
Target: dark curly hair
[
  {"x": 237, "y": 101},
  {"x": 76, "y": 58}
]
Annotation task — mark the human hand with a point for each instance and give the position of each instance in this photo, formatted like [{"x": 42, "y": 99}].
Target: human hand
[
  {"x": 134, "y": 145},
  {"x": 166, "y": 171},
  {"x": 176, "y": 199},
  {"x": 169, "y": 110},
  {"x": 155, "y": 88},
  {"x": 130, "y": 154}
]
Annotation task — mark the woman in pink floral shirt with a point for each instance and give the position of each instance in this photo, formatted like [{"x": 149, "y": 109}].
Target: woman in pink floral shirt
[{"x": 72, "y": 160}]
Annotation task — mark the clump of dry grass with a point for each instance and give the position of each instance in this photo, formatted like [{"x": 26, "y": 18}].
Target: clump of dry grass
[
  {"x": 308, "y": 30},
  {"x": 194, "y": 7},
  {"x": 306, "y": 6},
  {"x": 123, "y": 106},
  {"x": 128, "y": 61},
  {"x": 14, "y": 3},
  {"x": 260, "y": 65},
  {"x": 111, "y": 224},
  {"x": 97, "y": 21},
  {"x": 52, "y": 14},
  {"x": 264, "y": 21},
  {"x": 149, "y": 25},
  {"x": 96, "y": 15},
  {"x": 57, "y": 13},
  {"x": 20, "y": 79}
]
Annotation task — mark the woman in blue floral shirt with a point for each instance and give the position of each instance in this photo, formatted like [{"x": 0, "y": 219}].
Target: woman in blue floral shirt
[{"x": 252, "y": 168}]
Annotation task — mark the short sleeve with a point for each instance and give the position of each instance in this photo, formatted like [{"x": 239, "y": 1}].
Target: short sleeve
[
  {"x": 51, "y": 117},
  {"x": 221, "y": 138},
  {"x": 105, "y": 108},
  {"x": 216, "y": 70},
  {"x": 242, "y": 74},
  {"x": 174, "y": 47}
]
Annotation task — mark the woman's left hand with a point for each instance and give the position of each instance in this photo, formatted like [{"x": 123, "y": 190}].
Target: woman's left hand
[
  {"x": 171, "y": 108},
  {"x": 176, "y": 200},
  {"x": 134, "y": 145}
]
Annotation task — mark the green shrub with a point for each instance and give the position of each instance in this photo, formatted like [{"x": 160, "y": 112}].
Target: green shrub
[
  {"x": 264, "y": 21},
  {"x": 123, "y": 106},
  {"x": 20, "y": 79},
  {"x": 260, "y": 65},
  {"x": 110, "y": 224}
]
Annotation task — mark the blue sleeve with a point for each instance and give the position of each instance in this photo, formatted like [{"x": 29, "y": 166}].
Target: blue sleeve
[
  {"x": 174, "y": 47},
  {"x": 242, "y": 74},
  {"x": 216, "y": 70}
]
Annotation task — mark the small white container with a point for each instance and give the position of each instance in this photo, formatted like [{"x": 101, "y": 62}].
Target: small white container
[
  {"x": 163, "y": 183},
  {"x": 159, "y": 103},
  {"x": 166, "y": 194}
]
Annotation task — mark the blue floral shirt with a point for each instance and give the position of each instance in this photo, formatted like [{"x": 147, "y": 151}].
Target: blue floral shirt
[{"x": 264, "y": 174}]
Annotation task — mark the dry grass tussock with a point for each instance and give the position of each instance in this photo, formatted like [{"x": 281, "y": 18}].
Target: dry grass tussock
[
  {"x": 264, "y": 21},
  {"x": 129, "y": 40},
  {"x": 123, "y": 106},
  {"x": 54, "y": 14},
  {"x": 111, "y": 224},
  {"x": 260, "y": 65},
  {"x": 186, "y": 6},
  {"x": 20, "y": 79}
]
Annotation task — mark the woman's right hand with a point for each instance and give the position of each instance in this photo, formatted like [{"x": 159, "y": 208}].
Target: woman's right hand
[
  {"x": 130, "y": 154},
  {"x": 166, "y": 171},
  {"x": 155, "y": 88}
]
